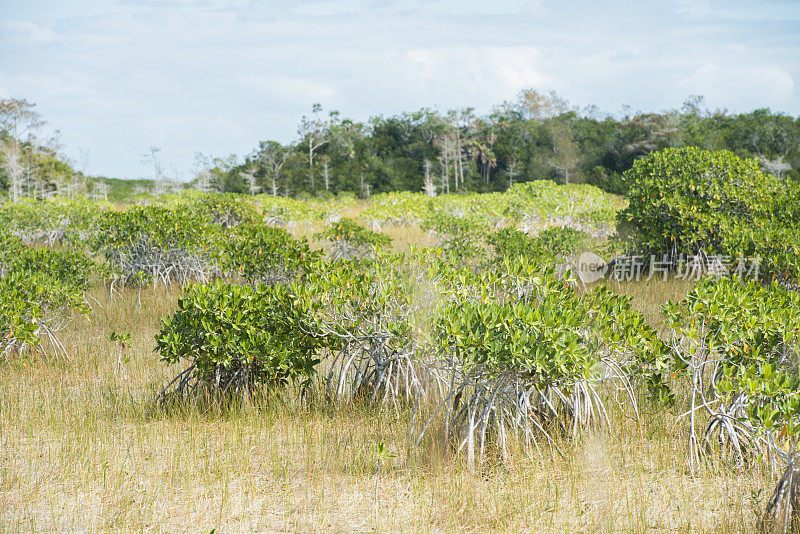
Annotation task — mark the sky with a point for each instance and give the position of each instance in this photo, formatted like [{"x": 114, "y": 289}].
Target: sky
[{"x": 118, "y": 76}]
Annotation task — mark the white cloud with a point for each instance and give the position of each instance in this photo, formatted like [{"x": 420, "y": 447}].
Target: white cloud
[
  {"x": 743, "y": 10},
  {"x": 486, "y": 72}
]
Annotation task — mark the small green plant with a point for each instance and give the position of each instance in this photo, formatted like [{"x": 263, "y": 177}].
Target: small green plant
[
  {"x": 385, "y": 456},
  {"x": 749, "y": 335},
  {"x": 122, "y": 339}
]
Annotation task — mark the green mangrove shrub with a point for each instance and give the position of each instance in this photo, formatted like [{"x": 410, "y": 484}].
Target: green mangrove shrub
[
  {"x": 237, "y": 338},
  {"x": 684, "y": 200},
  {"x": 52, "y": 221},
  {"x": 690, "y": 201},
  {"x": 365, "y": 311},
  {"x": 541, "y": 204},
  {"x": 549, "y": 245},
  {"x": 226, "y": 210},
  {"x": 525, "y": 354},
  {"x": 739, "y": 344},
  {"x": 41, "y": 290},
  {"x": 459, "y": 237}
]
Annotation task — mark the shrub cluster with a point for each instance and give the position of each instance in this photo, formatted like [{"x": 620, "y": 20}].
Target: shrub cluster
[
  {"x": 225, "y": 210},
  {"x": 257, "y": 253},
  {"x": 50, "y": 222},
  {"x": 505, "y": 347},
  {"x": 513, "y": 340}
]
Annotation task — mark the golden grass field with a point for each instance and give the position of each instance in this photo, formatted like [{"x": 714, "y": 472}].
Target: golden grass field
[{"x": 83, "y": 448}]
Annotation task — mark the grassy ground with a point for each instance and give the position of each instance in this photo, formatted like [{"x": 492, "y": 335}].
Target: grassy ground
[{"x": 83, "y": 448}]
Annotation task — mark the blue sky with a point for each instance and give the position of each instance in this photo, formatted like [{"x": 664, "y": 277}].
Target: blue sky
[{"x": 118, "y": 76}]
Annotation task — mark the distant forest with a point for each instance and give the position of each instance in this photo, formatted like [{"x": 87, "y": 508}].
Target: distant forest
[{"x": 537, "y": 136}]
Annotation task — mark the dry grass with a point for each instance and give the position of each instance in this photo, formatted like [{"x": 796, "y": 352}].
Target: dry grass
[
  {"x": 404, "y": 237},
  {"x": 82, "y": 448},
  {"x": 649, "y": 295}
]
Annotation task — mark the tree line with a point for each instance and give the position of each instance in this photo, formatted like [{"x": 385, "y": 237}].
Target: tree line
[
  {"x": 532, "y": 137},
  {"x": 535, "y": 136}
]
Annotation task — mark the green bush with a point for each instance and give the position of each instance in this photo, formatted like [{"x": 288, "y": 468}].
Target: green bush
[
  {"x": 749, "y": 336},
  {"x": 687, "y": 199},
  {"x": 10, "y": 245},
  {"x": 239, "y": 337},
  {"x": 70, "y": 268},
  {"x": 522, "y": 336},
  {"x": 739, "y": 345},
  {"x": 58, "y": 220},
  {"x": 19, "y": 317},
  {"x": 526, "y": 353},
  {"x": 527, "y": 321},
  {"x": 460, "y": 237},
  {"x": 364, "y": 310},
  {"x": 227, "y": 210},
  {"x": 40, "y": 291},
  {"x": 543, "y": 203},
  {"x": 34, "y": 307}
]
